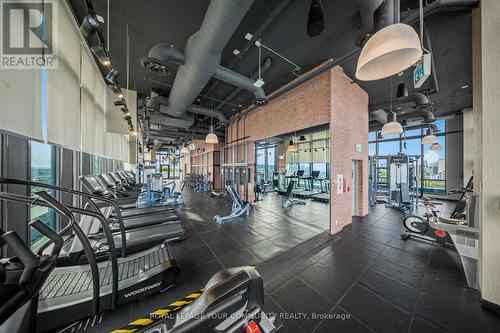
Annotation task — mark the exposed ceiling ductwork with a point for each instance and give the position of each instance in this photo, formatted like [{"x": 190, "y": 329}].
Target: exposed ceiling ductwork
[{"x": 199, "y": 63}]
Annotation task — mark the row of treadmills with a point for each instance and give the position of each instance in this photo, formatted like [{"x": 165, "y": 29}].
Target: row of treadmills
[
  {"x": 106, "y": 253},
  {"x": 112, "y": 252}
]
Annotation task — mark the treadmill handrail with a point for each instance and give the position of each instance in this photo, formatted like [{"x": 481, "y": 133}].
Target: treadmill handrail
[
  {"x": 111, "y": 251},
  {"x": 119, "y": 217},
  {"x": 87, "y": 248}
]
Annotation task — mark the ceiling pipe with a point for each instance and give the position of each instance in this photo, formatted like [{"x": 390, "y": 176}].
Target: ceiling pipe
[
  {"x": 419, "y": 100},
  {"x": 438, "y": 6},
  {"x": 236, "y": 79},
  {"x": 165, "y": 120},
  {"x": 385, "y": 14},
  {"x": 367, "y": 10},
  {"x": 203, "y": 52},
  {"x": 263, "y": 68},
  {"x": 162, "y": 104}
]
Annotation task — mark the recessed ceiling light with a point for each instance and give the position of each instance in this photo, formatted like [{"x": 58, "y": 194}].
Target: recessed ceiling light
[
  {"x": 248, "y": 36},
  {"x": 236, "y": 52},
  {"x": 399, "y": 108},
  {"x": 465, "y": 87}
]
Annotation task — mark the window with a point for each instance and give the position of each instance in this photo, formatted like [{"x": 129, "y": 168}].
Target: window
[
  {"x": 388, "y": 148},
  {"x": 372, "y": 149},
  {"x": 433, "y": 178},
  {"x": 43, "y": 170},
  {"x": 271, "y": 158},
  {"x": 435, "y": 169},
  {"x": 321, "y": 167},
  {"x": 96, "y": 165},
  {"x": 260, "y": 167}
]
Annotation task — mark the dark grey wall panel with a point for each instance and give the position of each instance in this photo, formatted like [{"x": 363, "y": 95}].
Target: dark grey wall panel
[
  {"x": 16, "y": 161},
  {"x": 66, "y": 174},
  {"x": 86, "y": 164}
]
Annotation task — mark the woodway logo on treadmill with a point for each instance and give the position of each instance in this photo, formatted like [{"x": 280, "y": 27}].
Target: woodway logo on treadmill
[{"x": 141, "y": 290}]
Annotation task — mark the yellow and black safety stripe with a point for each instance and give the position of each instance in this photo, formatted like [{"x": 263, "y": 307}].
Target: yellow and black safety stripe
[{"x": 159, "y": 314}]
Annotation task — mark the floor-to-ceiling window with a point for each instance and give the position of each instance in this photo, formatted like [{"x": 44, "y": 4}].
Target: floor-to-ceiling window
[
  {"x": 265, "y": 162},
  {"x": 43, "y": 169},
  {"x": 431, "y": 168}
]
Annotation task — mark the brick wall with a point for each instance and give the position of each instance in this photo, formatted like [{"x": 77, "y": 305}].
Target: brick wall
[
  {"x": 348, "y": 127},
  {"x": 328, "y": 98}
]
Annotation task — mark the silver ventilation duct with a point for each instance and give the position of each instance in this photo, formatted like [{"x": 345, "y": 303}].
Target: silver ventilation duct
[
  {"x": 201, "y": 60},
  {"x": 161, "y": 103},
  {"x": 164, "y": 120}
]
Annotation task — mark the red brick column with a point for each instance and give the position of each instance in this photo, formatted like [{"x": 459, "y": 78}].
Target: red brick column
[{"x": 348, "y": 127}]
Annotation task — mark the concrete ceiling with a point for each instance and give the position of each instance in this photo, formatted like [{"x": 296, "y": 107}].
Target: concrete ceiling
[{"x": 172, "y": 21}]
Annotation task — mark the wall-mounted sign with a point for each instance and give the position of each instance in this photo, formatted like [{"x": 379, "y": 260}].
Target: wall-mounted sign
[
  {"x": 422, "y": 71},
  {"x": 340, "y": 183},
  {"x": 359, "y": 148}
]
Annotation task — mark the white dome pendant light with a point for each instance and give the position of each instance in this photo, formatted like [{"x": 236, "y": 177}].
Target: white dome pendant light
[
  {"x": 430, "y": 138},
  {"x": 211, "y": 136},
  {"x": 435, "y": 147},
  {"x": 392, "y": 127},
  {"x": 389, "y": 51}
]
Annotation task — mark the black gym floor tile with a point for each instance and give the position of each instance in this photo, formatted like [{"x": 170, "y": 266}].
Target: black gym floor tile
[
  {"x": 365, "y": 244},
  {"x": 399, "y": 272},
  {"x": 224, "y": 246},
  {"x": 193, "y": 258},
  {"x": 214, "y": 236},
  {"x": 265, "y": 249},
  {"x": 405, "y": 258},
  {"x": 419, "y": 325},
  {"x": 340, "y": 320},
  {"x": 196, "y": 278},
  {"x": 271, "y": 308},
  {"x": 376, "y": 237},
  {"x": 330, "y": 284},
  {"x": 298, "y": 299},
  {"x": 248, "y": 238},
  {"x": 285, "y": 241},
  {"x": 374, "y": 311},
  {"x": 445, "y": 264},
  {"x": 276, "y": 280},
  {"x": 419, "y": 248},
  {"x": 239, "y": 258},
  {"x": 344, "y": 266},
  {"x": 390, "y": 289}
]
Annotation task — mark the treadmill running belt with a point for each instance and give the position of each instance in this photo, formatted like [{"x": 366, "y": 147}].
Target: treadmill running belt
[
  {"x": 148, "y": 220},
  {"x": 63, "y": 283},
  {"x": 145, "y": 211}
]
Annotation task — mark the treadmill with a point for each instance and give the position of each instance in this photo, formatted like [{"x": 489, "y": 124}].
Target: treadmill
[
  {"x": 76, "y": 292},
  {"x": 133, "y": 215},
  {"x": 118, "y": 187}
]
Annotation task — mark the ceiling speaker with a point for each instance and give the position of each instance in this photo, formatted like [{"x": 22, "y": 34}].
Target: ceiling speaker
[{"x": 316, "y": 19}]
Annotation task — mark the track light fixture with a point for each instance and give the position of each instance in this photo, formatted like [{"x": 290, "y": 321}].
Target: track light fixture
[
  {"x": 127, "y": 118},
  {"x": 101, "y": 54},
  {"x": 117, "y": 91},
  {"x": 112, "y": 76},
  {"x": 89, "y": 26},
  {"x": 120, "y": 102},
  {"x": 124, "y": 110}
]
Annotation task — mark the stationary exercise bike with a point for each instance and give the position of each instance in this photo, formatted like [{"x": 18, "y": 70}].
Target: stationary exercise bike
[{"x": 422, "y": 226}]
